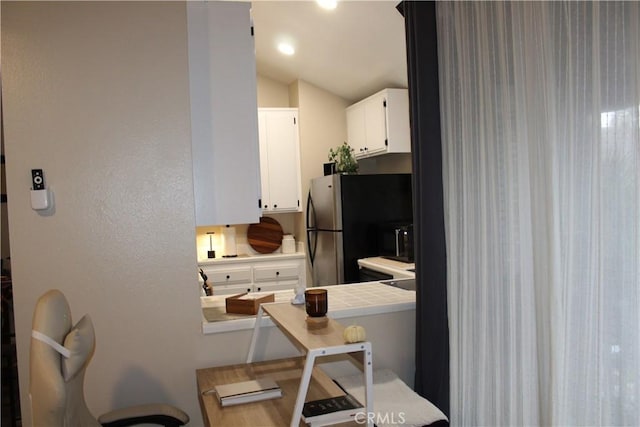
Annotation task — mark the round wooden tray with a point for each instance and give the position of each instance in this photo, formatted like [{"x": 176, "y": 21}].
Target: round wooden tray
[{"x": 266, "y": 236}]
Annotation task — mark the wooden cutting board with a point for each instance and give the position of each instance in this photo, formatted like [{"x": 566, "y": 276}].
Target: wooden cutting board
[{"x": 266, "y": 236}]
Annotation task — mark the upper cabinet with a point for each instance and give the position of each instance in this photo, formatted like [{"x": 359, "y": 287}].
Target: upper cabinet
[
  {"x": 379, "y": 124},
  {"x": 279, "y": 160},
  {"x": 224, "y": 119}
]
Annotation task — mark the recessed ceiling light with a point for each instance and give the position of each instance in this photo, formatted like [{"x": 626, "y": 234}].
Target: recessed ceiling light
[
  {"x": 286, "y": 49},
  {"x": 327, "y": 4}
]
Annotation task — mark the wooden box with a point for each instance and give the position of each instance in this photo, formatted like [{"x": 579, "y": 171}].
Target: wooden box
[{"x": 237, "y": 304}]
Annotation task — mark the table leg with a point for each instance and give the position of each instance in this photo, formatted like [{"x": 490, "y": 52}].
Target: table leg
[
  {"x": 254, "y": 337},
  {"x": 303, "y": 388},
  {"x": 368, "y": 379}
]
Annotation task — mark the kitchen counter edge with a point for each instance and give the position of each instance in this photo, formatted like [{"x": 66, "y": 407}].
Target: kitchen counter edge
[
  {"x": 249, "y": 323},
  {"x": 397, "y": 269}
]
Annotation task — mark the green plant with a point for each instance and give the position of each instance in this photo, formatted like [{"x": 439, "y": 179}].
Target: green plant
[{"x": 343, "y": 157}]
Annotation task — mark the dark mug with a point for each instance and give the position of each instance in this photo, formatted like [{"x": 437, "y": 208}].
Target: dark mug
[{"x": 315, "y": 301}]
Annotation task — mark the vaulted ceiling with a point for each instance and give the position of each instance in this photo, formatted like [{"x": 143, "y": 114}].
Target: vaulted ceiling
[{"x": 352, "y": 51}]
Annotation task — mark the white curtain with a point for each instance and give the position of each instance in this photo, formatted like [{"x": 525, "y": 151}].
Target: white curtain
[{"x": 541, "y": 154}]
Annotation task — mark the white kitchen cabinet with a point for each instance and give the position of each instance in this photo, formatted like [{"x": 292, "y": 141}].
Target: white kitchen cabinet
[
  {"x": 276, "y": 276},
  {"x": 230, "y": 275},
  {"x": 356, "y": 131},
  {"x": 256, "y": 274},
  {"x": 224, "y": 119},
  {"x": 279, "y": 160},
  {"x": 379, "y": 124}
]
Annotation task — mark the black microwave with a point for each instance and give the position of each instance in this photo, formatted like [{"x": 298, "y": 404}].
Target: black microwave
[{"x": 395, "y": 241}]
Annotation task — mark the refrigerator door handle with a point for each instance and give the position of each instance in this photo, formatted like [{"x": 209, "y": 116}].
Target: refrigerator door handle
[
  {"x": 312, "y": 251},
  {"x": 311, "y": 212}
]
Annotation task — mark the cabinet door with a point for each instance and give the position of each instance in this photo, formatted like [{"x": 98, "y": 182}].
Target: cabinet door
[
  {"x": 379, "y": 124},
  {"x": 376, "y": 123},
  {"x": 224, "y": 119},
  {"x": 356, "y": 129},
  {"x": 397, "y": 119},
  {"x": 279, "y": 160},
  {"x": 264, "y": 161},
  {"x": 273, "y": 276}
]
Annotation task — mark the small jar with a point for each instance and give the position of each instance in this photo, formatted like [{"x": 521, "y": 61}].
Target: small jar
[{"x": 288, "y": 244}]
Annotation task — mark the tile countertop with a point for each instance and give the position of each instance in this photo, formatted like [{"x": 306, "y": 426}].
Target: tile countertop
[
  {"x": 357, "y": 299},
  {"x": 398, "y": 269}
]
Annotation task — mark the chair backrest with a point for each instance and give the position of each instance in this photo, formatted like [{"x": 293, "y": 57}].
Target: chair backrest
[{"x": 56, "y": 381}]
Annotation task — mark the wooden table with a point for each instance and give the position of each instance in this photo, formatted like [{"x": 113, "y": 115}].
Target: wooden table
[
  {"x": 274, "y": 412},
  {"x": 299, "y": 378},
  {"x": 315, "y": 342}
]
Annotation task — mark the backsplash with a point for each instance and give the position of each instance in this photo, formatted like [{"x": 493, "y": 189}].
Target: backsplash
[{"x": 287, "y": 221}]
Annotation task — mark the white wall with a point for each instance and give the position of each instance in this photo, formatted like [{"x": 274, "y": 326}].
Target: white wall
[
  {"x": 272, "y": 94},
  {"x": 96, "y": 94}
]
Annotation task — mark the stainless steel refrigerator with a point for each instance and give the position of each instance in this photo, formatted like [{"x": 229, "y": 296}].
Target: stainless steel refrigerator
[{"x": 344, "y": 214}]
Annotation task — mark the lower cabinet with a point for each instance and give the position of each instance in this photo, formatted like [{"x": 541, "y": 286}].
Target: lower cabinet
[{"x": 255, "y": 275}]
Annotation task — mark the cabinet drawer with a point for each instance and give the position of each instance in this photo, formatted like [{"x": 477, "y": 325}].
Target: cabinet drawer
[
  {"x": 275, "y": 286},
  {"x": 232, "y": 289},
  {"x": 278, "y": 272},
  {"x": 229, "y": 275}
]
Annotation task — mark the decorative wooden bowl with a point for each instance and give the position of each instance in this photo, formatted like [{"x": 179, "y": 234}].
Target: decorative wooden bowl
[{"x": 266, "y": 236}]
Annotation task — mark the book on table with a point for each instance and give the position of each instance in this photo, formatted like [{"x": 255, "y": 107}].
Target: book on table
[
  {"x": 333, "y": 409},
  {"x": 247, "y": 391}
]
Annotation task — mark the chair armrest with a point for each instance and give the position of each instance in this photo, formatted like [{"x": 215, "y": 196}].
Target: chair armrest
[{"x": 160, "y": 414}]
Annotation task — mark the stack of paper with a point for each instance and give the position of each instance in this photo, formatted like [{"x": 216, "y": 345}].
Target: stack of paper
[{"x": 247, "y": 391}]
